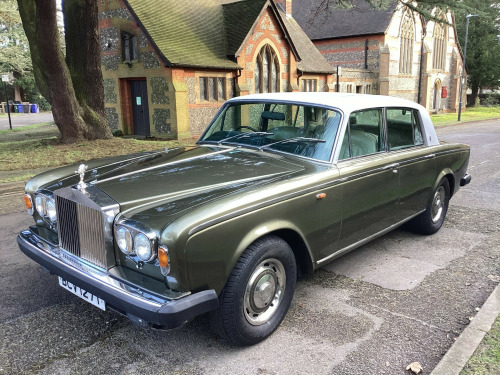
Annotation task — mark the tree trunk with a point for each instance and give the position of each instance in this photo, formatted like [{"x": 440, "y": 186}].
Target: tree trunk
[
  {"x": 76, "y": 120},
  {"x": 475, "y": 90},
  {"x": 84, "y": 63}
]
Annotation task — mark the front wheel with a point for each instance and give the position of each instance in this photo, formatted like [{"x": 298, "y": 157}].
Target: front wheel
[
  {"x": 429, "y": 221},
  {"x": 258, "y": 292}
]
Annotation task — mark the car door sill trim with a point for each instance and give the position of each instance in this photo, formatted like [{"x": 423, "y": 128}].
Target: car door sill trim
[{"x": 366, "y": 240}]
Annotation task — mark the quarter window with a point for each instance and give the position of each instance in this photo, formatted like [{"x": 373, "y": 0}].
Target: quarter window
[
  {"x": 403, "y": 128},
  {"x": 364, "y": 135}
]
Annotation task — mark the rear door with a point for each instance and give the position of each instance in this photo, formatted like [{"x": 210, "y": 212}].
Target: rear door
[
  {"x": 371, "y": 189},
  {"x": 417, "y": 169}
]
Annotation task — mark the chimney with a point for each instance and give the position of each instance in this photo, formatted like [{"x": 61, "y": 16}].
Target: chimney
[{"x": 287, "y": 5}]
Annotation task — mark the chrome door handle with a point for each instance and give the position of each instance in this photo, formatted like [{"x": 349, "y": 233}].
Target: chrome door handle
[
  {"x": 430, "y": 156},
  {"x": 391, "y": 166}
]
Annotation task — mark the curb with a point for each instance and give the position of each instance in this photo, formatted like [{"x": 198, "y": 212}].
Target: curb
[{"x": 458, "y": 355}]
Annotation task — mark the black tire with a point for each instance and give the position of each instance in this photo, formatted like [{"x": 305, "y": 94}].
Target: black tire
[
  {"x": 429, "y": 221},
  {"x": 247, "y": 315}
]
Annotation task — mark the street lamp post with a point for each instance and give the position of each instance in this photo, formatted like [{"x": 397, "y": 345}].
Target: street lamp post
[
  {"x": 5, "y": 79},
  {"x": 465, "y": 57}
]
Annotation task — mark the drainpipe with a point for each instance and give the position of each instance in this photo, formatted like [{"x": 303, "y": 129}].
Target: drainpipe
[
  {"x": 366, "y": 54},
  {"x": 424, "y": 32}
]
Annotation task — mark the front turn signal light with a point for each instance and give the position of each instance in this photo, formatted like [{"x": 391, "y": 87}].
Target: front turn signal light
[
  {"x": 163, "y": 260},
  {"x": 28, "y": 203}
]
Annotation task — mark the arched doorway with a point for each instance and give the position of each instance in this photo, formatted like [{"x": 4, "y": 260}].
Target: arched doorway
[{"x": 436, "y": 102}]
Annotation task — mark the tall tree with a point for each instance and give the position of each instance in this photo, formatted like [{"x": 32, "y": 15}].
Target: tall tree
[
  {"x": 72, "y": 84},
  {"x": 14, "y": 56},
  {"x": 483, "y": 47}
]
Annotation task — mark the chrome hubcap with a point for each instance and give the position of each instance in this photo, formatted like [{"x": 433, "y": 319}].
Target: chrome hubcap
[
  {"x": 264, "y": 291},
  {"x": 438, "y": 204}
]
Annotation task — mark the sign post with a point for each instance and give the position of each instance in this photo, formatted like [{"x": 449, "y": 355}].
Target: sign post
[{"x": 5, "y": 79}]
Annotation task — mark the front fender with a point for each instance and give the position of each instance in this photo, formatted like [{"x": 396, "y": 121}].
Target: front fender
[{"x": 212, "y": 253}]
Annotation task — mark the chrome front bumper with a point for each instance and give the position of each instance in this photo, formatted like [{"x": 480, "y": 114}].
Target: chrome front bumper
[{"x": 139, "y": 305}]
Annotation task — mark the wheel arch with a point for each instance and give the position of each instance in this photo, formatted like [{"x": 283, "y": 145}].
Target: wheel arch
[
  {"x": 450, "y": 176},
  {"x": 299, "y": 248}
]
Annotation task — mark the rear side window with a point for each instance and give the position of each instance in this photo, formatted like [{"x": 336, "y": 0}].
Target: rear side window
[
  {"x": 364, "y": 135},
  {"x": 403, "y": 128}
]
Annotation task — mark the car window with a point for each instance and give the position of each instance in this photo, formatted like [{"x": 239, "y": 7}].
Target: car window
[
  {"x": 364, "y": 135},
  {"x": 403, "y": 128},
  {"x": 301, "y": 130}
]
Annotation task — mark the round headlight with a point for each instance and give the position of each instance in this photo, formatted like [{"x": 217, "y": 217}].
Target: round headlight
[
  {"x": 39, "y": 204},
  {"x": 50, "y": 209},
  {"x": 124, "y": 240},
  {"x": 142, "y": 247}
]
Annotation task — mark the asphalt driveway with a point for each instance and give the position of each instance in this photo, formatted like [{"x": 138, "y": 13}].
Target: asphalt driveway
[
  {"x": 399, "y": 299},
  {"x": 24, "y": 119}
]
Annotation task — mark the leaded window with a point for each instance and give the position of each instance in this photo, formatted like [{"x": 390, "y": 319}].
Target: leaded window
[
  {"x": 406, "y": 46},
  {"x": 267, "y": 70},
  {"x": 129, "y": 47},
  {"x": 439, "y": 58},
  {"x": 212, "y": 88}
]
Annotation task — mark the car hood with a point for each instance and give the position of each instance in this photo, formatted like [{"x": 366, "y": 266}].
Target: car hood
[{"x": 197, "y": 172}]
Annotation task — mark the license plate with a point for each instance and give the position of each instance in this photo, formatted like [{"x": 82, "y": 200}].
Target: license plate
[{"x": 83, "y": 294}]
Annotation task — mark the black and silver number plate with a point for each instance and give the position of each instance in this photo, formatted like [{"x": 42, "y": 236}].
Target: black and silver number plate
[{"x": 83, "y": 294}]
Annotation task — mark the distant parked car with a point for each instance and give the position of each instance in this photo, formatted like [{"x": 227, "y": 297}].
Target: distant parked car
[{"x": 277, "y": 186}]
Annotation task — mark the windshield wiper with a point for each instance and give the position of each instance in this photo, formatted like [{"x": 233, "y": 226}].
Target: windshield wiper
[
  {"x": 244, "y": 135},
  {"x": 294, "y": 140}
]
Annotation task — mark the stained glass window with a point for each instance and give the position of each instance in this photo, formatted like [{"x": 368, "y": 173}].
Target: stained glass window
[
  {"x": 439, "y": 58},
  {"x": 406, "y": 46},
  {"x": 267, "y": 70}
]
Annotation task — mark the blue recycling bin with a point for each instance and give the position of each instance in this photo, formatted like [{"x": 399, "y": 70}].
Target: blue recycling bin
[
  {"x": 34, "y": 108},
  {"x": 19, "y": 108}
]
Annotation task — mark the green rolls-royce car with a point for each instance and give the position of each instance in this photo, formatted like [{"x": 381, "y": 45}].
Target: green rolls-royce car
[{"x": 277, "y": 186}]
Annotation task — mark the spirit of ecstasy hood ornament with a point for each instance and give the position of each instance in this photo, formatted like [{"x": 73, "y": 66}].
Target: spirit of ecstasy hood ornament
[{"x": 82, "y": 168}]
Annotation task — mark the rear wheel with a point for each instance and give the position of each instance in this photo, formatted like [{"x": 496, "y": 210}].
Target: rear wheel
[
  {"x": 258, "y": 292},
  {"x": 433, "y": 217}
]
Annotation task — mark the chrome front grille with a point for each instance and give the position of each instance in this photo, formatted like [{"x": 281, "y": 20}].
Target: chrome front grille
[{"x": 84, "y": 228}]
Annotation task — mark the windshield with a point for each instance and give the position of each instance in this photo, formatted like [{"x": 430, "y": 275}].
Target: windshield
[{"x": 295, "y": 129}]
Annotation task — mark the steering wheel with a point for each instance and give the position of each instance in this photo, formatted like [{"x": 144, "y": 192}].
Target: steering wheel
[{"x": 245, "y": 127}]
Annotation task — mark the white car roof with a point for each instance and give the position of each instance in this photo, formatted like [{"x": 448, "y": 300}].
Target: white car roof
[{"x": 344, "y": 101}]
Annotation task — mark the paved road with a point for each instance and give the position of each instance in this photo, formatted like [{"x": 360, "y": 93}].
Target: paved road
[
  {"x": 25, "y": 119},
  {"x": 399, "y": 299}
]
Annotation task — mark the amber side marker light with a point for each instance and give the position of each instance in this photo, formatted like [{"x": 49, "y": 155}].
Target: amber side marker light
[
  {"x": 28, "y": 203},
  {"x": 320, "y": 196}
]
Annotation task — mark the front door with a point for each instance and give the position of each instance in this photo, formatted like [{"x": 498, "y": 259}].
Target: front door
[{"x": 140, "y": 110}]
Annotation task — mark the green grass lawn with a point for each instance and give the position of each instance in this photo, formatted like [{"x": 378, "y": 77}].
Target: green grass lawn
[
  {"x": 26, "y": 150},
  {"x": 486, "y": 358},
  {"x": 470, "y": 114}
]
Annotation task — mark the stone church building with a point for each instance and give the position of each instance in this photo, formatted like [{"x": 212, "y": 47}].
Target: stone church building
[
  {"x": 169, "y": 65},
  {"x": 388, "y": 52}
]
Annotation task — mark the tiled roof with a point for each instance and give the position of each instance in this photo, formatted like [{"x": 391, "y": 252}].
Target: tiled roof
[
  {"x": 239, "y": 17},
  {"x": 311, "y": 60},
  {"x": 319, "y": 23},
  {"x": 186, "y": 33},
  {"x": 208, "y": 33}
]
